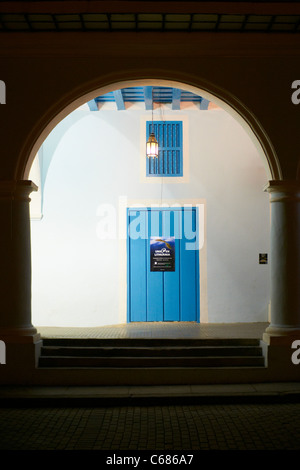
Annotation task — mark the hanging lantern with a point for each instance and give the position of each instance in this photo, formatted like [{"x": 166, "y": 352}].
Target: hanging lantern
[{"x": 152, "y": 146}]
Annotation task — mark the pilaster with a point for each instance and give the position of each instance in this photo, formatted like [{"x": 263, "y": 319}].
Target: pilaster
[
  {"x": 15, "y": 266},
  {"x": 284, "y": 262}
]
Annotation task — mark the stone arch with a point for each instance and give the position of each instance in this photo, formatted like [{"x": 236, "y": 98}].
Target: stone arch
[{"x": 271, "y": 167}]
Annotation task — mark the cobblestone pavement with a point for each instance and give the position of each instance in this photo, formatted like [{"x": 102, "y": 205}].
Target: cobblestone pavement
[{"x": 178, "y": 427}]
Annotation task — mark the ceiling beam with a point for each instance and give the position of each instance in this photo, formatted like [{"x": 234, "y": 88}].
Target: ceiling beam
[
  {"x": 118, "y": 95},
  {"x": 204, "y": 104},
  {"x": 148, "y": 97},
  {"x": 176, "y": 95},
  {"x": 93, "y": 105}
]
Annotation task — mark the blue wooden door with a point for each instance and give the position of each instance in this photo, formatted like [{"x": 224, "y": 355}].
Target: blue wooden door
[{"x": 170, "y": 292}]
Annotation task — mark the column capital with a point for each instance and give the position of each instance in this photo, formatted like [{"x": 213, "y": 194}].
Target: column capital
[
  {"x": 283, "y": 190},
  {"x": 16, "y": 190}
]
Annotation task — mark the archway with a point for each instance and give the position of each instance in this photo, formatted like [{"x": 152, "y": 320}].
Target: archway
[
  {"x": 222, "y": 98},
  {"x": 271, "y": 165}
]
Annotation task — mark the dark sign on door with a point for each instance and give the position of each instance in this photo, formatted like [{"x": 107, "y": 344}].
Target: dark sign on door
[{"x": 162, "y": 254}]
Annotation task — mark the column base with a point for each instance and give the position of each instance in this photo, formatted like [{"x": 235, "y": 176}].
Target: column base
[
  {"x": 281, "y": 334},
  {"x": 20, "y": 351},
  {"x": 280, "y": 352},
  {"x": 20, "y": 335}
]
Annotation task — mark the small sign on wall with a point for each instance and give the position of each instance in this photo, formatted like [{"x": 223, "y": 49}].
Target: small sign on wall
[
  {"x": 162, "y": 254},
  {"x": 263, "y": 258}
]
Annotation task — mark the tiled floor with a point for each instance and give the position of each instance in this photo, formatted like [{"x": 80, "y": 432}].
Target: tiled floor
[
  {"x": 185, "y": 427},
  {"x": 159, "y": 330}
]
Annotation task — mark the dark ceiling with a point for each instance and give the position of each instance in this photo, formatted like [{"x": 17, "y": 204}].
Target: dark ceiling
[
  {"x": 264, "y": 16},
  {"x": 185, "y": 22}
]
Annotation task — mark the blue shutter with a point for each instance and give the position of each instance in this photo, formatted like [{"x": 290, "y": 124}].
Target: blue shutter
[{"x": 169, "y": 137}]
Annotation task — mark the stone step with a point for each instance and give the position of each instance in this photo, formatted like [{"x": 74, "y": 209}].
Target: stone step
[
  {"x": 135, "y": 362},
  {"x": 149, "y": 342},
  {"x": 155, "y": 351}
]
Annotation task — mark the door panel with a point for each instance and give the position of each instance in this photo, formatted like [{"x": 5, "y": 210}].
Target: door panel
[
  {"x": 188, "y": 268},
  {"x": 137, "y": 268},
  {"x": 155, "y": 280},
  {"x": 169, "y": 295},
  {"x": 172, "y": 279}
]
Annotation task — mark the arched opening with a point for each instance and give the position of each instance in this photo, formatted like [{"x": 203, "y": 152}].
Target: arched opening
[
  {"x": 220, "y": 97},
  {"x": 225, "y": 173}
]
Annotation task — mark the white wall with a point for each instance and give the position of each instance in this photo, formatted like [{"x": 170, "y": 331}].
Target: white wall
[{"x": 80, "y": 280}]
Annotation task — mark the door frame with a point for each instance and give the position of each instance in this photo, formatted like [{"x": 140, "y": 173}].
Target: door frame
[{"x": 162, "y": 207}]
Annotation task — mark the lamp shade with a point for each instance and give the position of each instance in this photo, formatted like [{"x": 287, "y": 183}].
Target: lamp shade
[{"x": 152, "y": 146}]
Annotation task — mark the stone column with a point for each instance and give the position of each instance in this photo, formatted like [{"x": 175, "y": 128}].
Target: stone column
[
  {"x": 15, "y": 263},
  {"x": 285, "y": 261}
]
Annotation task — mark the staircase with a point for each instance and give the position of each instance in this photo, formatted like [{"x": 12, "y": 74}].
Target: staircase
[{"x": 150, "y": 353}]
